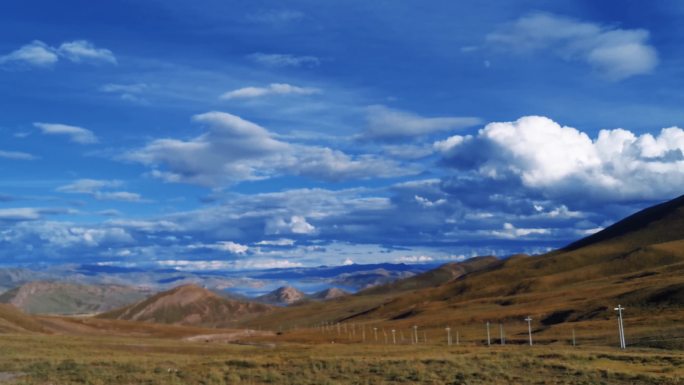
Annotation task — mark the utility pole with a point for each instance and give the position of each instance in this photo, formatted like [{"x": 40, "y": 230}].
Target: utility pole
[
  {"x": 375, "y": 333},
  {"x": 529, "y": 327},
  {"x": 415, "y": 334},
  {"x": 448, "y": 330},
  {"x": 621, "y": 327},
  {"x": 394, "y": 336},
  {"x": 502, "y": 337},
  {"x": 489, "y": 341}
]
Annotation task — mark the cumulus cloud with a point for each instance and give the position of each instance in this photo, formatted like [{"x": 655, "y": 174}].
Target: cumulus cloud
[
  {"x": 512, "y": 232},
  {"x": 614, "y": 52},
  {"x": 561, "y": 161},
  {"x": 39, "y": 54},
  {"x": 384, "y": 123},
  {"x": 428, "y": 203},
  {"x": 36, "y": 54},
  {"x": 295, "y": 225},
  {"x": 284, "y": 60},
  {"x": 234, "y": 149},
  {"x": 76, "y": 134},
  {"x": 53, "y": 236},
  {"x": 272, "y": 89},
  {"x": 17, "y": 155},
  {"x": 82, "y": 50},
  {"x": 95, "y": 188}
]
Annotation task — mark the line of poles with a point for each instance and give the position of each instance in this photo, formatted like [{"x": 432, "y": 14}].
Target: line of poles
[{"x": 350, "y": 330}]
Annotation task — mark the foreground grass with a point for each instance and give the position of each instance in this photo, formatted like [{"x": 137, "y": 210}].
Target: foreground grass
[{"x": 93, "y": 360}]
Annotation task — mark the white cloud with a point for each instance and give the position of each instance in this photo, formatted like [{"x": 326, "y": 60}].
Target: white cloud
[
  {"x": 272, "y": 89},
  {"x": 348, "y": 262},
  {"x": 17, "y": 155},
  {"x": 414, "y": 259},
  {"x": 232, "y": 149},
  {"x": 35, "y": 53},
  {"x": 88, "y": 186},
  {"x": 227, "y": 246},
  {"x": 284, "y": 60},
  {"x": 296, "y": 225},
  {"x": 232, "y": 247},
  {"x": 39, "y": 54},
  {"x": 235, "y": 149},
  {"x": 75, "y": 134},
  {"x": 82, "y": 50},
  {"x": 389, "y": 124},
  {"x": 512, "y": 232},
  {"x": 616, "y": 53},
  {"x": 223, "y": 265},
  {"x": 424, "y": 202},
  {"x": 20, "y": 214},
  {"x": 94, "y": 188},
  {"x": 53, "y": 236},
  {"x": 277, "y": 242},
  {"x": 563, "y": 161}
]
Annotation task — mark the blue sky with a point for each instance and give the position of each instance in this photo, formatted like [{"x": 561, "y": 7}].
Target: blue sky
[{"x": 256, "y": 134}]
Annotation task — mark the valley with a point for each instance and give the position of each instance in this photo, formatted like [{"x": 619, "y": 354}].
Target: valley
[{"x": 462, "y": 322}]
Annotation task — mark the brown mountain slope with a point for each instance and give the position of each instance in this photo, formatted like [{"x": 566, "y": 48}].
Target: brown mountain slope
[
  {"x": 188, "y": 305},
  {"x": 285, "y": 295},
  {"x": 12, "y": 320},
  {"x": 442, "y": 274},
  {"x": 657, "y": 224},
  {"x": 328, "y": 294},
  {"x": 68, "y": 299},
  {"x": 649, "y": 239},
  {"x": 639, "y": 262}
]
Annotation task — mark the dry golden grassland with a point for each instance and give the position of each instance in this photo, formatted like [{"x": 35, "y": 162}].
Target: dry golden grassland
[{"x": 52, "y": 359}]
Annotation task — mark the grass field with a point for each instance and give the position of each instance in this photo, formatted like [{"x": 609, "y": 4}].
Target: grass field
[{"x": 41, "y": 359}]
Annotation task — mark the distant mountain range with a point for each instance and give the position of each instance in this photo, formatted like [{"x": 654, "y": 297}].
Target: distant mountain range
[
  {"x": 43, "y": 297},
  {"x": 242, "y": 283}
]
